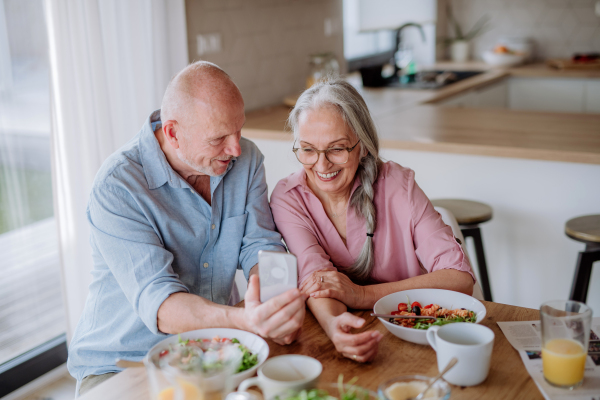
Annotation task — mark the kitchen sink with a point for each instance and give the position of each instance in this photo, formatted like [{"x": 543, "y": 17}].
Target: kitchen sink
[{"x": 430, "y": 79}]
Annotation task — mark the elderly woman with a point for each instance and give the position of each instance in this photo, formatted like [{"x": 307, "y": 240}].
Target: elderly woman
[{"x": 361, "y": 228}]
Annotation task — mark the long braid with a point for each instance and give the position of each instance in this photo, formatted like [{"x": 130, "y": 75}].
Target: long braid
[{"x": 362, "y": 202}]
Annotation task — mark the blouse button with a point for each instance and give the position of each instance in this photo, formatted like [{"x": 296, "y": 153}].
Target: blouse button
[{"x": 205, "y": 265}]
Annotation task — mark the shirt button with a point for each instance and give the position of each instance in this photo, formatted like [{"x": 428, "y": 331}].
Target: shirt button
[
  {"x": 205, "y": 265},
  {"x": 213, "y": 226}
]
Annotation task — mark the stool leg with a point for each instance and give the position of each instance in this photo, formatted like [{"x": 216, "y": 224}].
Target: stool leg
[
  {"x": 583, "y": 273},
  {"x": 475, "y": 233}
]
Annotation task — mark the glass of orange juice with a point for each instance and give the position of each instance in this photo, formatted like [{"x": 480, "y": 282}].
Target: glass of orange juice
[{"x": 565, "y": 340}]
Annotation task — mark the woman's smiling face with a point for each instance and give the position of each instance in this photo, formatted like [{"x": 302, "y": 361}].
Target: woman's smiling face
[{"x": 321, "y": 129}]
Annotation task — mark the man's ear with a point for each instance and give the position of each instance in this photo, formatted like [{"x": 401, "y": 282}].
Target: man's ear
[{"x": 170, "y": 130}]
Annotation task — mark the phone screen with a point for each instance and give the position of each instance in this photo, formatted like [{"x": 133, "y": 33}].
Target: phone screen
[{"x": 278, "y": 273}]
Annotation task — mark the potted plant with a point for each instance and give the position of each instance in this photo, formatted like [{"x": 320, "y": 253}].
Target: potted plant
[{"x": 459, "y": 41}]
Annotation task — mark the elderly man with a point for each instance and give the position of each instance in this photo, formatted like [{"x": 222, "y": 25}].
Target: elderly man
[{"x": 173, "y": 214}]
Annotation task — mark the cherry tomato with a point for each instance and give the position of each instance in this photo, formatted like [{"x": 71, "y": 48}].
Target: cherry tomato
[
  {"x": 225, "y": 340},
  {"x": 416, "y": 303},
  {"x": 428, "y": 306},
  {"x": 396, "y": 312},
  {"x": 163, "y": 353},
  {"x": 402, "y": 307}
]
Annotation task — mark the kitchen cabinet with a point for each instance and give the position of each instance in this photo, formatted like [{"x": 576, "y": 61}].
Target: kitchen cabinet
[
  {"x": 535, "y": 94},
  {"x": 569, "y": 95},
  {"x": 592, "y": 96},
  {"x": 489, "y": 96}
]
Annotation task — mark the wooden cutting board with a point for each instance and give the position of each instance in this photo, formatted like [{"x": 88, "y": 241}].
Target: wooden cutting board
[{"x": 565, "y": 63}]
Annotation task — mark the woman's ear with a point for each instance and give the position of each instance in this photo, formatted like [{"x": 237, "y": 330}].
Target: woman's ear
[{"x": 364, "y": 152}]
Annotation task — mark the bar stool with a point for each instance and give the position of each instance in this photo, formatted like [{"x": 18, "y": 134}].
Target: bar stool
[
  {"x": 469, "y": 215},
  {"x": 584, "y": 229}
]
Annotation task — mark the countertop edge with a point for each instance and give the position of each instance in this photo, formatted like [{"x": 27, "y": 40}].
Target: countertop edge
[{"x": 454, "y": 148}]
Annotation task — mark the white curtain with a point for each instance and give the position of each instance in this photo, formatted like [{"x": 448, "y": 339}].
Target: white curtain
[{"x": 111, "y": 61}]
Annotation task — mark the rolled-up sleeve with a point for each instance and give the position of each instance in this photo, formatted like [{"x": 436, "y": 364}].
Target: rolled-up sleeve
[
  {"x": 260, "y": 233},
  {"x": 133, "y": 251},
  {"x": 434, "y": 242}
]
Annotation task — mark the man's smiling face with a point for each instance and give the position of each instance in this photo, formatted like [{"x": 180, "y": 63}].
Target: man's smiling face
[{"x": 212, "y": 137}]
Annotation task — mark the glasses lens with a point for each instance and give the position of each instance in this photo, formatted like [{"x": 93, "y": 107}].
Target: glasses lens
[
  {"x": 337, "y": 155},
  {"x": 307, "y": 155}
]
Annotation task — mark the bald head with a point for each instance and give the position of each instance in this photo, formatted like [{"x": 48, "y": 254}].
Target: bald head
[{"x": 201, "y": 85}]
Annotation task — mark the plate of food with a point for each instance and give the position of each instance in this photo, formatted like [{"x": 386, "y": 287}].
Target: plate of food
[
  {"x": 444, "y": 306},
  {"x": 254, "y": 349}
]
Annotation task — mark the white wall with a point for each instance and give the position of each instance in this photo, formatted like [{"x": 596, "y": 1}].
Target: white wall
[
  {"x": 266, "y": 43},
  {"x": 530, "y": 260},
  {"x": 558, "y": 28}
]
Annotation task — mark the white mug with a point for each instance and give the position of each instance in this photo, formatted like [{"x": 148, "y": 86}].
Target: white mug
[
  {"x": 281, "y": 374},
  {"x": 470, "y": 343}
]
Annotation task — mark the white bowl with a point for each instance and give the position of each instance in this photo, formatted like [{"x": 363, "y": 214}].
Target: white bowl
[
  {"x": 254, "y": 343},
  {"x": 502, "y": 59},
  {"x": 445, "y": 298}
]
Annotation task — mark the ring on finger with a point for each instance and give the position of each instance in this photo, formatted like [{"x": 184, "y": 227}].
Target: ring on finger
[{"x": 354, "y": 357}]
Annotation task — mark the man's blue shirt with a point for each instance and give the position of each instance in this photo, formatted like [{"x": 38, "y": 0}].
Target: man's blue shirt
[{"x": 153, "y": 235}]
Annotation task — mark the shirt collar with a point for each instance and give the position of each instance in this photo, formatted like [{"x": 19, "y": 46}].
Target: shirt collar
[{"x": 157, "y": 169}]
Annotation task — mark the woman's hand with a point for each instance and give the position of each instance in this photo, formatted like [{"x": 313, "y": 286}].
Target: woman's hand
[
  {"x": 361, "y": 347},
  {"x": 335, "y": 285}
]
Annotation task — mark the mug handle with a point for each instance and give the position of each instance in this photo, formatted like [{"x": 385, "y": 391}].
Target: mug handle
[
  {"x": 431, "y": 334},
  {"x": 248, "y": 383}
]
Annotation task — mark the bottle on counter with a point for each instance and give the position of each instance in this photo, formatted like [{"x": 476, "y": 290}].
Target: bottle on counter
[{"x": 322, "y": 65}]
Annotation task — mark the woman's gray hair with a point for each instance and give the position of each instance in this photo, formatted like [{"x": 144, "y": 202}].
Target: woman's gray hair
[{"x": 344, "y": 98}]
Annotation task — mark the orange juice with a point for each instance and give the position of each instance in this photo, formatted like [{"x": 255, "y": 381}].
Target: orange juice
[
  {"x": 190, "y": 392},
  {"x": 563, "y": 361}
]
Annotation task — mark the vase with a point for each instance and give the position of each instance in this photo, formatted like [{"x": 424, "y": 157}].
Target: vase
[{"x": 459, "y": 51}]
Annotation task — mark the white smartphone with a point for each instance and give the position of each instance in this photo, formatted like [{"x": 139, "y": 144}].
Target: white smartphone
[{"x": 278, "y": 272}]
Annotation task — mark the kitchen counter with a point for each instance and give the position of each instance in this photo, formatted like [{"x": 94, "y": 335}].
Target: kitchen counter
[{"x": 410, "y": 120}]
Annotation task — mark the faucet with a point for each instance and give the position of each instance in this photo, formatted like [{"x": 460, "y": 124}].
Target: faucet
[{"x": 398, "y": 39}]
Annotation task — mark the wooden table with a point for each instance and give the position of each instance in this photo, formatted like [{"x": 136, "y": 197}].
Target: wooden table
[{"x": 507, "y": 379}]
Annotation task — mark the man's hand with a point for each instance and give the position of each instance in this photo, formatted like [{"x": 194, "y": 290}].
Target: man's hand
[
  {"x": 279, "y": 319},
  {"x": 361, "y": 347},
  {"x": 335, "y": 285}
]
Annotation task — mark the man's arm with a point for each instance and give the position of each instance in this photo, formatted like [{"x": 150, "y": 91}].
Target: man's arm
[
  {"x": 279, "y": 318},
  {"x": 260, "y": 232},
  {"x": 182, "y": 312}
]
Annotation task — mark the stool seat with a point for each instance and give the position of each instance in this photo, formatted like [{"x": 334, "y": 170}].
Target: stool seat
[
  {"x": 466, "y": 212},
  {"x": 469, "y": 214},
  {"x": 584, "y": 229}
]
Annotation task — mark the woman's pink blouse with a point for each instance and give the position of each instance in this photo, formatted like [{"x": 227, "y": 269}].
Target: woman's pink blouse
[{"x": 410, "y": 239}]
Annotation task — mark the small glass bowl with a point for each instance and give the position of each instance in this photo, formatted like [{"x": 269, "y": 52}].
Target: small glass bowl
[{"x": 442, "y": 387}]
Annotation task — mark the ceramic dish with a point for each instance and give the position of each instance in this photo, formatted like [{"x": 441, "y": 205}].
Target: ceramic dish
[
  {"x": 444, "y": 298},
  {"x": 333, "y": 390},
  {"x": 441, "y": 389},
  {"x": 254, "y": 343},
  {"x": 502, "y": 59}
]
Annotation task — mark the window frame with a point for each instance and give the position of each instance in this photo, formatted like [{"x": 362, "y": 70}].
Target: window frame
[{"x": 32, "y": 364}]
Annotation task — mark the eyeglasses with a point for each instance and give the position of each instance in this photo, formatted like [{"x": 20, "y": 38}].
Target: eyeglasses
[{"x": 335, "y": 155}]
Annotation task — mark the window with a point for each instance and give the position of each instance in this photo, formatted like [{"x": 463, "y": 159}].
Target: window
[{"x": 32, "y": 317}]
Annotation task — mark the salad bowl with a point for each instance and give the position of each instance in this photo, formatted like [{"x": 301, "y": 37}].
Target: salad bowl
[
  {"x": 254, "y": 343},
  {"x": 445, "y": 298}
]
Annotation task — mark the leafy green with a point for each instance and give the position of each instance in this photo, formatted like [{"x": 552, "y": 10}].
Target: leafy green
[
  {"x": 440, "y": 322},
  {"x": 347, "y": 392},
  {"x": 249, "y": 360}
]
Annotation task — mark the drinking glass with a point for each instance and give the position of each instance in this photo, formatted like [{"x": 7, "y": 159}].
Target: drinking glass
[
  {"x": 208, "y": 375},
  {"x": 565, "y": 340}
]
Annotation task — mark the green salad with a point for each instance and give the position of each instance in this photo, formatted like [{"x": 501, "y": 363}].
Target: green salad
[
  {"x": 189, "y": 354},
  {"x": 346, "y": 392}
]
